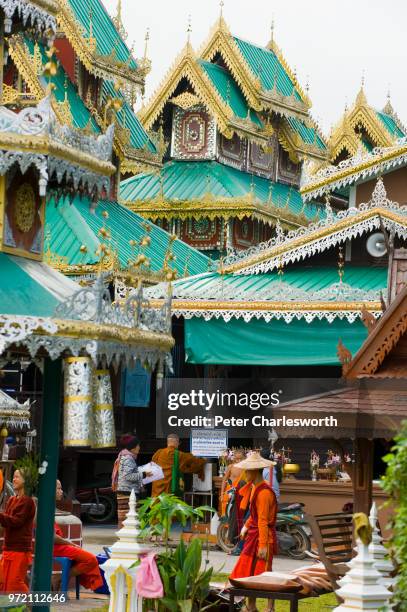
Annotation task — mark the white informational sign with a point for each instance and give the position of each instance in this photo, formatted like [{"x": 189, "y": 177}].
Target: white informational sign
[
  {"x": 155, "y": 470},
  {"x": 208, "y": 442}
]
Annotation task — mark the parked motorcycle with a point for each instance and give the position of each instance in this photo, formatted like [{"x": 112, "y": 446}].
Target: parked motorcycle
[
  {"x": 291, "y": 528},
  {"x": 98, "y": 504}
]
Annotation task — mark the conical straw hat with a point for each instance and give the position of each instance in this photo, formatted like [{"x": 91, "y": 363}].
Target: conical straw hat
[{"x": 254, "y": 461}]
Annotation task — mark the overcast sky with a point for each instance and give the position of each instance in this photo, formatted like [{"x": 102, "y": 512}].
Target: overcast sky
[{"x": 332, "y": 41}]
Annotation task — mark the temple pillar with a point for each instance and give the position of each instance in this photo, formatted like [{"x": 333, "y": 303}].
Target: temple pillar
[
  {"x": 44, "y": 536},
  {"x": 363, "y": 475}
]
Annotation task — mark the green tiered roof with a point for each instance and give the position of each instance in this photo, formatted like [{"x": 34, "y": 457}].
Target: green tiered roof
[
  {"x": 139, "y": 138},
  {"x": 252, "y": 286},
  {"x": 104, "y": 31},
  {"x": 31, "y": 288},
  {"x": 183, "y": 180},
  {"x": 265, "y": 65},
  {"x": 81, "y": 116},
  {"x": 390, "y": 124},
  {"x": 307, "y": 134},
  {"x": 72, "y": 225},
  {"x": 229, "y": 91}
]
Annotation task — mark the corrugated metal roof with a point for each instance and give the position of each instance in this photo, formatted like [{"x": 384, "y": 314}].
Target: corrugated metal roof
[
  {"x": 229, "y": 91},
  {"x": 21, "y": 291},
  {"x": 259, "y": 286},
  {"x": 390, "y": 124},
  {"x": 72, "y": 225},
  {"x": 265, "y": 64},
  {"x": 138, "y": 136},
  {"x": 308, "y": 134},
  {"x": 192, "y": 180},
  {"x": 64, "y": 86},
  {"x": 107, "y": 37}
]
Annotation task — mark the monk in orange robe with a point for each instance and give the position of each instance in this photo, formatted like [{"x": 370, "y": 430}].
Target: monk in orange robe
[
  {"x": 174, "y": 463},
  {"x": 258, "y": 533},
  {"x": 17, "y": 521},
  {"x": 85, "y": 565}
]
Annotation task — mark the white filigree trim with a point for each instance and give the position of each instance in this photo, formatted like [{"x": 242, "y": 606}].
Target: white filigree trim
[
  {"x": 28, "y": 12},
  {"x": 372, "y": 162},
  {"x": 266, "y": 315},
  {"x": 15, "y": 329},
  {"x": 333, "y": 236}
]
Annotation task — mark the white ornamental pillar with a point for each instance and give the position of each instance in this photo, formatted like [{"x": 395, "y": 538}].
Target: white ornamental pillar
[
  {"x": 379, "y": 553},
  {"x": 119, "y": 574},
  {"x": 363, "y": 589}
]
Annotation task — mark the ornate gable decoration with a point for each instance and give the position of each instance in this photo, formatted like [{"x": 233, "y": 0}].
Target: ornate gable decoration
[
  {"x": 318, "y": 237},
  {"x": 104, "y": 66},
  {"x": 187, "y": 67},
  {"x": 380, "y": 343},
  {"x": 360, "y": 167}
]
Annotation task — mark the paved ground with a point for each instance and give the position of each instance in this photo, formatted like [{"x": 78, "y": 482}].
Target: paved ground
[{"x": 96, "y": 537}]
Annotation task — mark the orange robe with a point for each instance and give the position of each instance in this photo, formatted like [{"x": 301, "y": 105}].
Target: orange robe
[
  {"x": 85, "y": 563},
  {"x": 188, "y": 464},
  {"x": 260, "y": 534},
  {"x": 17, "y": 521}
]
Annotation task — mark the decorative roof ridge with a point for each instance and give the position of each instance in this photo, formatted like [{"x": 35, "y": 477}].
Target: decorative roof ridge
[
  {"x": 273, "y": 46},
  {"x": 85, "y": 46},
  {"x": 187, "y": 65},
  {"x": 290, "y": 139},
  {"x": 380, "y": 341},
  {"x": 349, "y": 170},
  {"x": 220, "y": 40},
  {"x": 317, "y": 237},
  {"x": 389, "y": 110}
]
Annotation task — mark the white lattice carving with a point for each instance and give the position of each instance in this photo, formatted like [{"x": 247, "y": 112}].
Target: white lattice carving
[{"x": 28, "y": 12}]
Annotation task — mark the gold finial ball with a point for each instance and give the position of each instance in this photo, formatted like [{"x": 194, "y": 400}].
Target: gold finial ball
[
  {"x": 83, "y": 248},
  {"x": 145, "y": 241},
  {"x": 141, "y": 259},
  {"x": 172, "y": 257},
  {"x": 132, "y": 243},
  {"x": 147, "y": 263},
  {"x": 4, "y": 432},
  {"x": 103, "y": 232},
  {"x": 171, "y": 275},
  {"x": 105, "y": 214},
  {"x": 173, "y": 237}
]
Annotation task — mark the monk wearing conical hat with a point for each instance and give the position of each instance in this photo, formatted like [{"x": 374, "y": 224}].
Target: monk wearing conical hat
[{"x": 258, "y": 533}]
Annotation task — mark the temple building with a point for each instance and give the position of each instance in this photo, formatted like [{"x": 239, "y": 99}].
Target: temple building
[{"x": 237, "y": 127}]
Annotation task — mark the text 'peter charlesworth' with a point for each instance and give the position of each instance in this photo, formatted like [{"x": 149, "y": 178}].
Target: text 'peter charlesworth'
[{"x": 259, "y": 420}]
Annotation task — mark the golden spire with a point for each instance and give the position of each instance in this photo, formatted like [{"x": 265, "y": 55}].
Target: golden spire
[
  {"x": 361, "y": 97},
  {"x": 270, "y": 44},
  {"x": 91, "y": 40},
  {"x": 118, "y": 21},
  {"x": 388, "y": 109}
]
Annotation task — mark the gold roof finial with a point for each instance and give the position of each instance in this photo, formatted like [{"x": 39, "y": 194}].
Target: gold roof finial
[
  {"x": 91, "y": 40},
  {"x": 307, "y": 85},
  {"x": 146, "y": 39},
  {"x": 361, "y": 97},
  {"x": 118, "y": 21},
  {"x": 221, "y": 5},
  {"x": 388, "y": 109},
  {"x": 189, "y": 29},
  {"x": 270, "y": 44}
]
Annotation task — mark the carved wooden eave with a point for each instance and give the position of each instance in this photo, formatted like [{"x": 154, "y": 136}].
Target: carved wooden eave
[
  {"x": 187, "y": 67},
  {"x": 106, "y": 67},
  {"x": 381, "y": 343}
]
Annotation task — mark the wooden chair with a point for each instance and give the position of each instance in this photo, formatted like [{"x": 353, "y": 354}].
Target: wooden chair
[{"x": 333, "y": 536}]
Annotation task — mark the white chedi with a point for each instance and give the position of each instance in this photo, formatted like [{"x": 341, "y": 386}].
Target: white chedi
[
  {"x": 119, "y": 573},
  {"x": 363, "y": 589},
  {"x": 379, "y": 553}
]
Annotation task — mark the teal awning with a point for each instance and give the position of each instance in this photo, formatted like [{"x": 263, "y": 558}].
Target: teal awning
[{"x": 272, "y": 343}]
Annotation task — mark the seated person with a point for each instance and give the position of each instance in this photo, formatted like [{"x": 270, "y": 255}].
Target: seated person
[{"x": 85, "y": 564}]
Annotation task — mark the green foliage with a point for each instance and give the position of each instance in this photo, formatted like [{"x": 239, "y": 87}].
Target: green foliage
[
  {"x": 186, "y": 586},
  {"x": 395, "y": 484},
  {"x": 28, "y": 466},
  {"x": 157, "y": 514}
]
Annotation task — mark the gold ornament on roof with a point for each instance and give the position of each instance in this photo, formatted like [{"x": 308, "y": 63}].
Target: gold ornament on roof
[
  {"x": 25, "y": 207},
  {"x": 185, "y": 100},
  {"x": 118, "y": 21}
]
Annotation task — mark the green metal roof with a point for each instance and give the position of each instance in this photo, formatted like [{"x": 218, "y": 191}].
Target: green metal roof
[
  {"x": 104, "y": 31},
  {"x": 31, "y": 288},
  {"x": 265, "y": 64},
  {"x": 260, "y": 286},
  {"x": 63, "y": 85},
  {"x": 390, "y": 125},
  {"x": 192, "y": 180},
  {"x": 139, "y": 138},
  {"x": 308, "y": 134},
  {"x": 71, "y": 225},
  {"x": 229, "y": 91}
]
